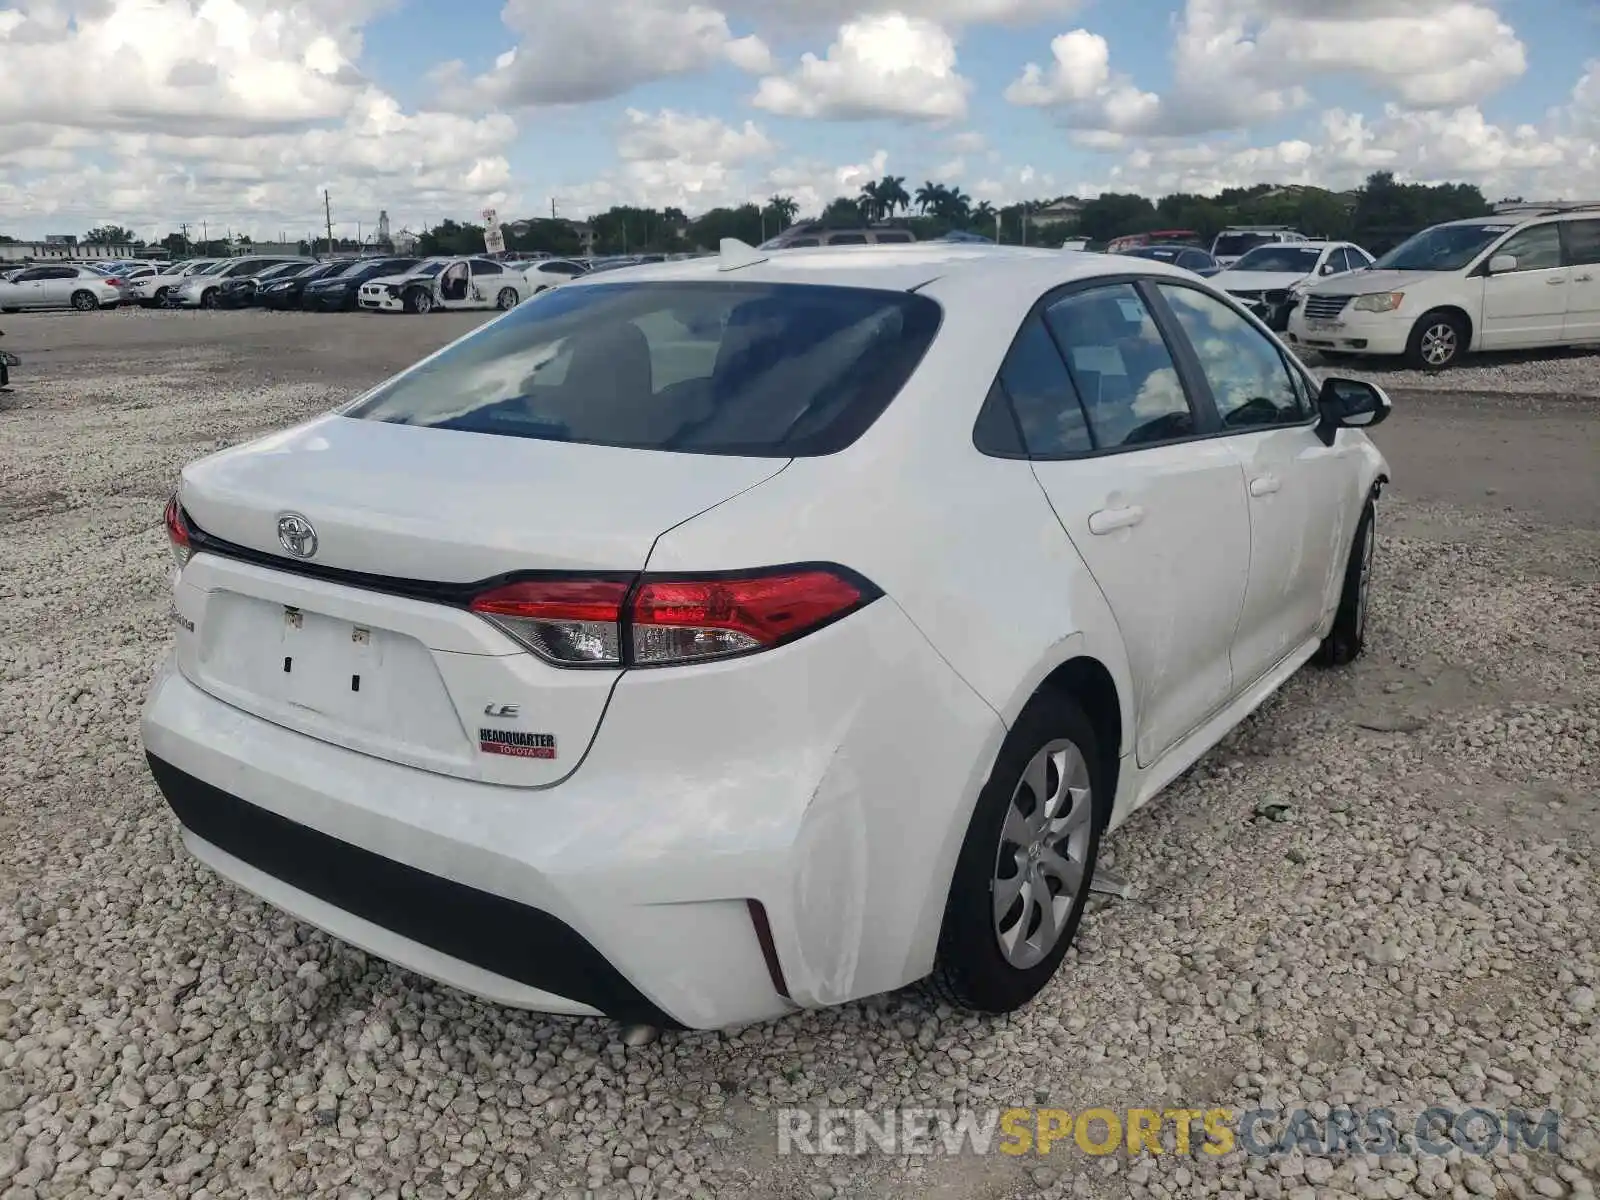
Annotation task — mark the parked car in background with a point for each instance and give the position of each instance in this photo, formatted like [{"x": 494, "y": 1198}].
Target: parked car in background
[
  {"x": 1190, "y": 258},
  {"x": 451, "y": 284},
  {"x": 240, "y": 291},
  {"x": 1521, "y": 280},
  {"x": 520, "y": 671},
  {"x": 552, "y": 272},
  {"x": 1156, "y": 237},
  {"x": 58, "y": 285},
  {"x": 813, "y": 233},
  {"x": 1269, "y": 280},
  {"x": 202, "y": 289},
  {"x": 338, "y": 291},
  {"x": 151, "y": 290},
  {"x": 1234, "y": 242},
  {"x": 285, "y": 292}
]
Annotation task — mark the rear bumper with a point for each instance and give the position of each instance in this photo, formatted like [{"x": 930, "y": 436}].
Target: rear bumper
[
  {"x": 517, "y": 954},
  {"x": 830, "y": 782}
]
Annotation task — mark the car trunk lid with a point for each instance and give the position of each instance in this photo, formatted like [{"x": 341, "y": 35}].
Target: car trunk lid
[{"x": 367, "y": 640}]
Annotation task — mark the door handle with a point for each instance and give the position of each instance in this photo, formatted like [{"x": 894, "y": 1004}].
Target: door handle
[
  {"x": 1265, "y": 485},
  {"x": 1582, "y": 278},
  {"x": 1555, "y": 282},
  {"x": 1109, "y": 520}
]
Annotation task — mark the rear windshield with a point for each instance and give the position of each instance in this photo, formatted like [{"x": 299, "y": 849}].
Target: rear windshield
[
  {"x": 767, "y": 370},
  {"x": 1241, "y": 243}
]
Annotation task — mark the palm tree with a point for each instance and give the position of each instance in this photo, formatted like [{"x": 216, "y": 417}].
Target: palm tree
[
  {"x": 871, "y": 201},
  {"x": 929, "y": 196},
  {"x": 784, "y": 208},
  {"x": 952, "y": 204},
  {"x": 780, "y": 211},
  {"x": 892, "y": 191},
  {"x": 984, "y": 212}
]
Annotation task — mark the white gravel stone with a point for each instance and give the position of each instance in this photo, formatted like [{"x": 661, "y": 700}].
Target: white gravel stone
[{"x": 1431, "y": 939}]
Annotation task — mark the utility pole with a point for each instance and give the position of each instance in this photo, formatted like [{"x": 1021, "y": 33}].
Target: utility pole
[
  {"x": 327, "y": 213},
  {"x": 183, "y": 227},
  {"x": 552, "y": 208},
  {"x": 205, "y": 235}
]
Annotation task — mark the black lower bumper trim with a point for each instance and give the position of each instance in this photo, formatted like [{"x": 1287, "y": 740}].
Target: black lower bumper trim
[{"x": 499, "y": 935}]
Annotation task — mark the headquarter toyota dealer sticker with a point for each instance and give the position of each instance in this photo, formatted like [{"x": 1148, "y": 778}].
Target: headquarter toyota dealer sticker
[{"x": 517, "y": 744}]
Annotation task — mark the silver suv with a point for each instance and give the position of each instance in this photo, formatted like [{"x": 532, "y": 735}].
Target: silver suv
[{"x": 798, "y": 236}]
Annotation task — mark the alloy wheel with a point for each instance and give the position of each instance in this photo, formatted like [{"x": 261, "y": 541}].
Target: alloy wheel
[
  {"x": 1044, "y": 846},
  {"x": 1439, "y": 344},
  {"x": 83, "y": 302}
]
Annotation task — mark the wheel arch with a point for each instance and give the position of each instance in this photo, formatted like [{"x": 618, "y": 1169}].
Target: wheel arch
[
  {"x": 1455, "y": 310},
  {"x": 1089, "y": 682}
]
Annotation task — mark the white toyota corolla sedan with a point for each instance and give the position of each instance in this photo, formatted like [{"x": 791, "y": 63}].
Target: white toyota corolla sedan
[{"x": 725, "y": 637}]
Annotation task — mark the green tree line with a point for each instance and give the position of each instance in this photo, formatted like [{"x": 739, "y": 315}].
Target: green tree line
[{"x": 1379, "y": 214}]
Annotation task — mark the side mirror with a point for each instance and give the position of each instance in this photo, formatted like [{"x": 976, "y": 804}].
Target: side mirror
[
  {"x": 1352, "y": 404},
  {"x": 1501, "y": 263}
]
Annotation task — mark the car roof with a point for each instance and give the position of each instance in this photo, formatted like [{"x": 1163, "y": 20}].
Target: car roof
[{"x": 894, "y": 266}]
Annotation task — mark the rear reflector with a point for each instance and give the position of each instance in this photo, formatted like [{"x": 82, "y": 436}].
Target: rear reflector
[
  {"x": 177, "y": 530},
  {"x": 581, "y": 622}
]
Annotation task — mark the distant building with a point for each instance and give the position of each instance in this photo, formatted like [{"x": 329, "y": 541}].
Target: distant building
[
  {"x": 55, "y": 249},
  {"x": 61, "y": 239},
  {"x": 1059, "y": 212}
]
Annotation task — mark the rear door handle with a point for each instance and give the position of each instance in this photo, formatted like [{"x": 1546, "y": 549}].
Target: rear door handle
[
  {"x": 1109, "y": 520},
  {"x": 1265, "y": 485},
  {"x": 1555, "y": 282},
  {"x": 1583, "y": 278}
]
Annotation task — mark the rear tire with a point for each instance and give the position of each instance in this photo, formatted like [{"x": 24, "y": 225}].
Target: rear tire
[
  {"x": 85, "y": 301},
  {"x": 1032, "y": 842},
  {"x": 1348, "y": 637},
  {"x": 506, "y": 300},
  {"x": 208, "y": 299},
  {"x": 1438, "y": 341}
]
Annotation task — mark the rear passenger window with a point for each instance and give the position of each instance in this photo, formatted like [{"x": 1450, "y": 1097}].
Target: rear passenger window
[
  {"x": 1583, "y": 242},
  {"x": 1047, "y": 408},
  {"x": 1249, "y": 379},
  {"x": 1121, "y": 368},
  {"x": 848, "y": 239},
  {"x": 895, "y": 237}
]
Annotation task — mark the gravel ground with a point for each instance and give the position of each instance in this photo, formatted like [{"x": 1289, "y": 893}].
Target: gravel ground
[{"x": 1381, "y": 890}]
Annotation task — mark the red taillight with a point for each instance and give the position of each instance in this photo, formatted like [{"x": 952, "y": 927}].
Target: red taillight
[
  {"x": 580, "y": 622},
  {"x": 571, "y": 622},
  {"x": 683, "y": 620},
  {"x": 177, "y": 530},
  {"x": 113, "y": 281}
]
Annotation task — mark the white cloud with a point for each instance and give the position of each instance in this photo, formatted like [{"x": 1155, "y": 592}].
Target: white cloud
[
  {"x": 1584, "y": 111},
  {"x": 677, "y": 160},
  {"x": 574, "y": 51},
  {"x": 673, "y": 135},
  {"x": 880, "y": 66},
  {"x": 174, "y": 65},
  {"x": 232, "y": 112},
  {"x": 1242, "y": 63},
  {"x": 1427, "y": 146},
  {"x": 802, "y": 13}
]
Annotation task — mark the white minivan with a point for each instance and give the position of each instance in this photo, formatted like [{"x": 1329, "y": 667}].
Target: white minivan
[{"x": 1515, "y": 281}]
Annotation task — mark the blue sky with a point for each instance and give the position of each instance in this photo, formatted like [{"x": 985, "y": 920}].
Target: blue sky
[{"x": 239, "y": 112}]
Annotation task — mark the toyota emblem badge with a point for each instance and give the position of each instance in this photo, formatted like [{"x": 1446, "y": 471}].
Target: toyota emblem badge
[{"x": 296, "y": 535}]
